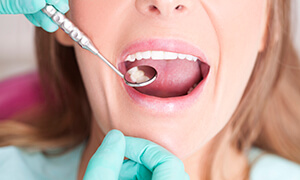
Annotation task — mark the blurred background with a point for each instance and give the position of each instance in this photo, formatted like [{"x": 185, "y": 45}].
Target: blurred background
[{"x": 17, "y": 54}]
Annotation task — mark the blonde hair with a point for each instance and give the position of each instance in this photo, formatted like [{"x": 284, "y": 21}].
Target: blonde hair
[{"x": 267, "y": 116}]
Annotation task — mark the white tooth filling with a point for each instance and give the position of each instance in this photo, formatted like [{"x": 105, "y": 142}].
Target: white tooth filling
[
  {"x": 159, "y": 55},
  {"x": 137, "y": 75}
]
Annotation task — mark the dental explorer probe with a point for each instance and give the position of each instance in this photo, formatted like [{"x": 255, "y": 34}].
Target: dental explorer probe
[{"x": 149, "y": 74}]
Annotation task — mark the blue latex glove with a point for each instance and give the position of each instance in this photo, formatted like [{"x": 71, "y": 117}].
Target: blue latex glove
[
  {"x": 147, "y": 160},
  {"x": 32, "y": 10}
]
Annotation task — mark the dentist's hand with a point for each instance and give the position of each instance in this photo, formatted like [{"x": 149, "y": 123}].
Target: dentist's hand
[
  {"x": 147, "y": 160},
  {"x": 32, "y": 10}
]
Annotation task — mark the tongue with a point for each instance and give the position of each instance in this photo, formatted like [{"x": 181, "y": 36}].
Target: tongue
[{"x": 174, "y": 77}]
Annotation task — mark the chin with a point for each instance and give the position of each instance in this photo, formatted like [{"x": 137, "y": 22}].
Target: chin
[{"x": 179, "y": 141}]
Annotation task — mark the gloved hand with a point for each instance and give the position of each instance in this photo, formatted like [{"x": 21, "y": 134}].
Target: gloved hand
[
  {"x": 32, "y": 10},
  {"x": 147, "y": 160}
]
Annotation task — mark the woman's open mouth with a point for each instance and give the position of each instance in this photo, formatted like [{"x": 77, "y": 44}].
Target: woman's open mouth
[
  {"x": 181, "y": 69},
  {"x": 177, "y": 74}
]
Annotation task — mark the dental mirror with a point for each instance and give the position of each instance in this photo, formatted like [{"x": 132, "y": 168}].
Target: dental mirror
[{"x": 138, "y": 76}]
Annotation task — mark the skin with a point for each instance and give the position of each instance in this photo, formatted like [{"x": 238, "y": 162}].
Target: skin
[{"x": 230, "y": 33}]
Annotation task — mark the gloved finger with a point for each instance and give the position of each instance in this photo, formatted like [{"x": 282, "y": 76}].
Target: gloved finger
[
  {"x": 32, "y": 20},
  {"x": 21, "y": 6},
  {"x": 60, "y": 5},
  {"x": 107, "y": 161},
  {"x": 162, "y": 163},
  {"x": 52, "y": 2},
  {"x": 133, "y": 170},
  {"x": 46, "y": 23}
]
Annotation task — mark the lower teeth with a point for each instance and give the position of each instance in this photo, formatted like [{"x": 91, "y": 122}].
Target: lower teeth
[{"x": 192, "y": 88}]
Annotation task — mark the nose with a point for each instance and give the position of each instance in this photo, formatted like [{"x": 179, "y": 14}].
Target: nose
[{"x": 165, "y": 8}]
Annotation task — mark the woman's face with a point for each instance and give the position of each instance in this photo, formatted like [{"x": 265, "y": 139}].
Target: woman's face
[{"x": 224, "y": 36}]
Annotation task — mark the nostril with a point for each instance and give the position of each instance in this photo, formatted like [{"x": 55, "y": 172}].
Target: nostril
[
  {"x": 153, "y": 8},
  {"x": 179, "y": 7},
  {"x": 163, "y": 9}
]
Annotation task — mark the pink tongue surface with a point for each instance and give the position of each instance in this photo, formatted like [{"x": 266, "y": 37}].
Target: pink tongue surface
[{"x": 174, "y": 77}]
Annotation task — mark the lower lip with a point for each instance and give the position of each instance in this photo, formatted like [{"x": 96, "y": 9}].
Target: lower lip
[{"x": 165, "y": 106}]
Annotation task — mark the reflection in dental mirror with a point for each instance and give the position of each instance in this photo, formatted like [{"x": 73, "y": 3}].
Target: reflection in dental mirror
[{"x": 140, "y": 76}]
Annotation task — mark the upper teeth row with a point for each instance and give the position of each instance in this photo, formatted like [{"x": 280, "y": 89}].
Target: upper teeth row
[{"x": 159, "y": 55}]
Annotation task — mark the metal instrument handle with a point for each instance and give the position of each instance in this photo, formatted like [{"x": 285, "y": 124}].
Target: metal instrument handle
[
  {"x": 78, "y": 36},
  {"x": 66, "y": 25}
]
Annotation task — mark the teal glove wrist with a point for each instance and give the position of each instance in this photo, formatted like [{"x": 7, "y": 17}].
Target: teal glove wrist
[
  {"x": 32, "y": 10},
  {"x": 147, "y": 160}
]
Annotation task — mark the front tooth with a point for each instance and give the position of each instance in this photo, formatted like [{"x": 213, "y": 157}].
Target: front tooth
[
  {"x": 146, "y": 55},
  {"x": 181, "y": 56},
  {"x": 170, "y": 55},
  {"x": 189, "y": 57},
  {"x": 195, "y": 58},
  {"x": 157, "y": 55},
  {"x": 138, "y": 56}
]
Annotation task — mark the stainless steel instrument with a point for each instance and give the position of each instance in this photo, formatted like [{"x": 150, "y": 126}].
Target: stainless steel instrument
[{"x": 78, "y": 36}]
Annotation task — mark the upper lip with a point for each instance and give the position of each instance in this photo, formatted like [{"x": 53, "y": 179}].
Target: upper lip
[{"x": 171, "y": 45}]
